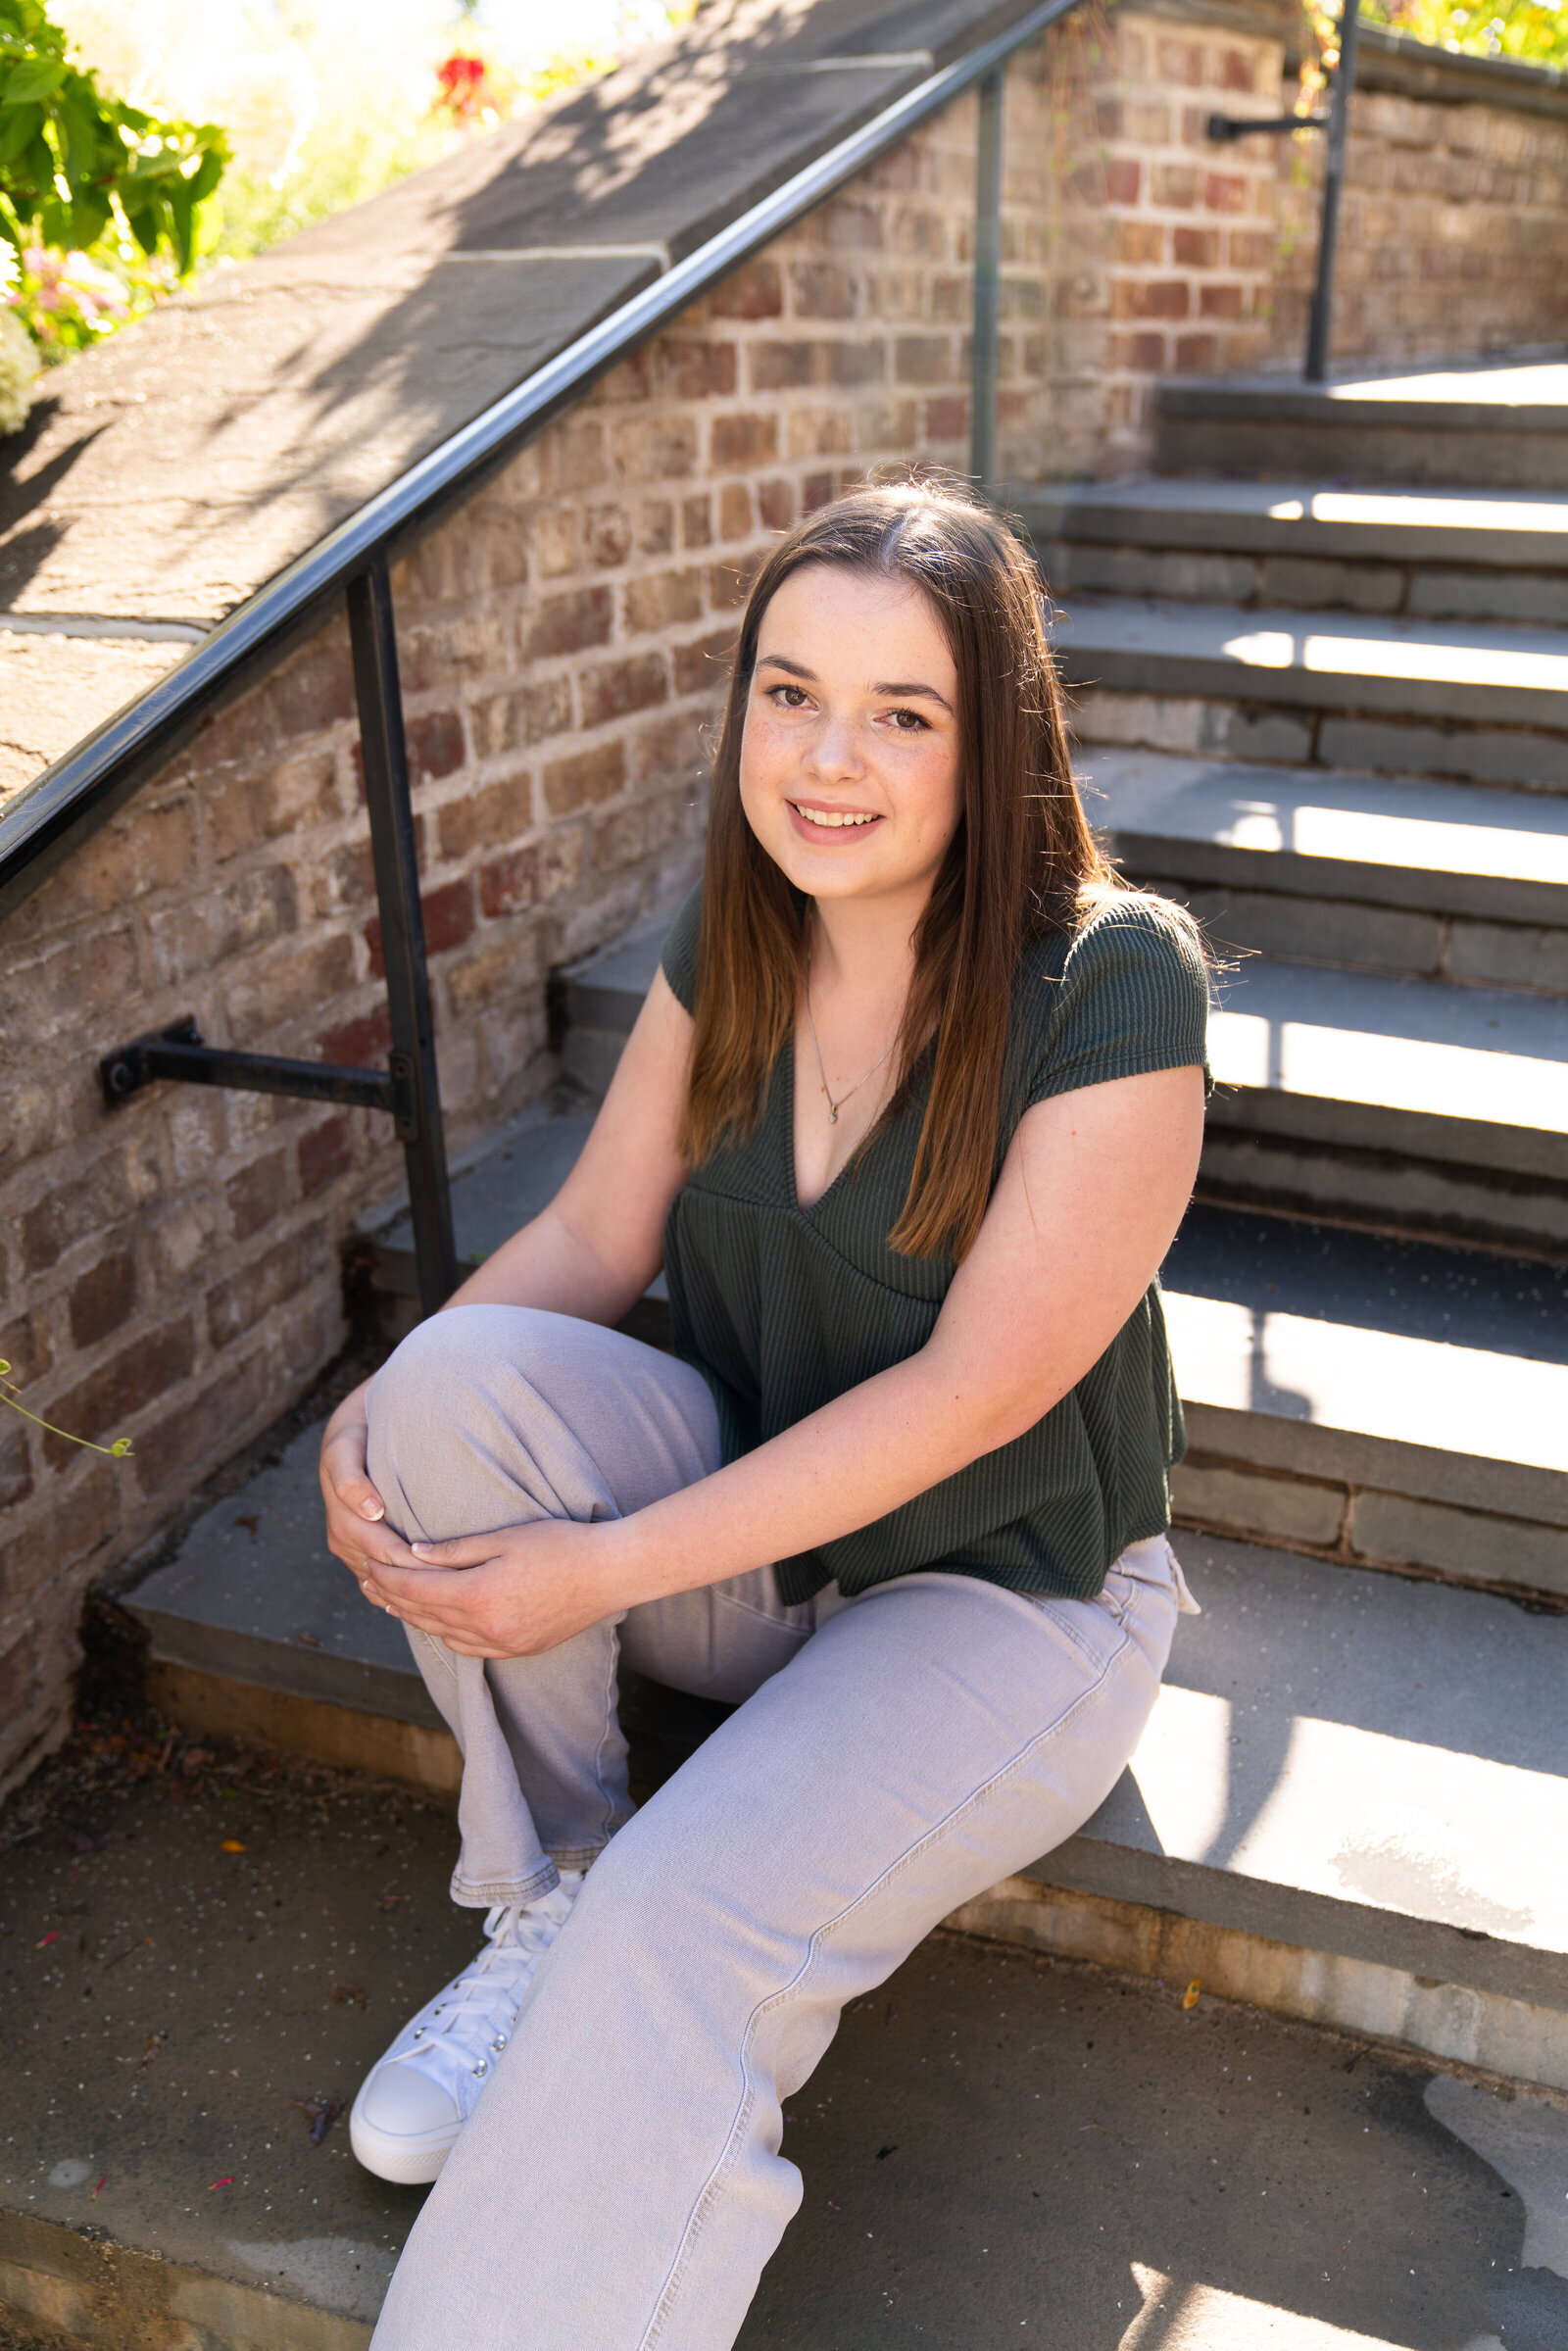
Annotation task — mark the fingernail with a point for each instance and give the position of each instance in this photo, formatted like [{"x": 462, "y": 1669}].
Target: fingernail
[
  {"x": 371, "y": 1510},
  {"x": 422, "y": 1546}
]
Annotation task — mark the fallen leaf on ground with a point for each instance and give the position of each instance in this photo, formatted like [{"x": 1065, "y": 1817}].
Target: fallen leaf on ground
[
  {"x": 322, "y": 2112},
  {"x": 44, "y": 1941},
  {"x": 232, "y": 1845},
  {"x": 98, "y": 2190},
  {"x": 391, "y": 1901},
  {"x": 1189, "y": 1996},
  {"x": 227, "y": 2180}
]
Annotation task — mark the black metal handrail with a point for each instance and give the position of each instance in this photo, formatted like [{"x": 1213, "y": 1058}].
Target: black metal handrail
[
  {"x": 60, "y": 809},
  {"x": 1336, "y": 122}
]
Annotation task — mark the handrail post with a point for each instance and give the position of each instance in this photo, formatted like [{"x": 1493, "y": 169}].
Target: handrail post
[
  {"x": 396, "y": 888},
  {"x": 985, "y": 343},
  {"x": 1317, "y": 336}
]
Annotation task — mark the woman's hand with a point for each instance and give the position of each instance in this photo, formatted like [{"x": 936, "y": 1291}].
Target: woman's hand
[
  {"x": 513, "y": 1594},
  {"x": 356, "y": 1532}
]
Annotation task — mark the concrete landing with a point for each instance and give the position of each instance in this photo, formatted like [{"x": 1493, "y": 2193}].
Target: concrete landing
[
  {"x": 1472, "y": 673},
  {"x": 1441, "y": 849},
  {"x": 997, "y": 2148}
]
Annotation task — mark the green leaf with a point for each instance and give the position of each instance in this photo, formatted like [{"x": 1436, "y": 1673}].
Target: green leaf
[
  {"x": 35, "y": 78},
  {"x": 16, "y": 127}
]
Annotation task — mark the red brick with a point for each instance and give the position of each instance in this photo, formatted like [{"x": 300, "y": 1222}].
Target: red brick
[
  {"x": 1225, "y": 192},
  {"x": 15, "y": 1471},
  {"x": 229, "y": 1402},
  {"x": 510, "y": 884},
  {"x": 755, "y": 291},
  {"x": 1151, "y": 298},
  {"x": 1197, "y": 354},
  {"x": 1237, "y": 70},
  {"x": 948, "y": 419},
  {"x": 1250, "y": 249},
  {"x": 1138, "y": 243},
  {"x": 328, "y": 1151},
  {"x": 485, "y": 819},
  {"x": 664, "y": 599},
  {"x": 315, "y": 689},
  {"x": 592, "y": 775},
  {"x": 569, "y": 623},
  {"x": 823, "y": 290},
  {"x": 448, "y": 920},
  {"x": 606, "y": 535},
  {"x": 615, "y": 689},
  {"x": 729, "y": 583},
  {"x": 746, "y": 439},
  {"x": 98, "y": 1408},
  {"x": 1145, "y": 353},
  {"x": 816, "y": 491},
  {"x": 776, "y": 503},
  {"x": 923, "y": 360},
  {"x": 697, "y": 521},
  {"x": 695, "y": 370},
  {"x": 1180, "y": 61},
  {"x": 238, "y": 1305},
  {"x": 103, "y": 1298},
  {"x": 1174, "y": 185},
  {"x": 1123, "y": 179},
  {"x": 778, "y": 367},
  {"x": 851, "y": 364},
  {"x": 435, "y": 744},
  {"x": 521, "y": 717},
  {"x": 1109, "y": 118},
  {"x": 73, "y": 1209},
  {"x": 702, "y": 665},
  {"x": 1220, "y": 302},
  {"x": 256, "y": 1193},
  {"x": 735, "y": 519},
  {"x": 25, "y": 1347},
  {"x": 1196, "y": 248},
  {"x": 661, "y": 447}
]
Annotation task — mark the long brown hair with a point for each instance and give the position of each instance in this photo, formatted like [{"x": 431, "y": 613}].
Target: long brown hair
[{"x": 1022, "y": 863}]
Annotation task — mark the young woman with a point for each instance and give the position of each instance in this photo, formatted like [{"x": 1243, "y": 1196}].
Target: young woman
[{"x": 909, "y": 1118}]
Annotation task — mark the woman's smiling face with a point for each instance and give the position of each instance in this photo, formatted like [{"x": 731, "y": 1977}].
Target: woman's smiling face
[{"x": 849, "y": 759}]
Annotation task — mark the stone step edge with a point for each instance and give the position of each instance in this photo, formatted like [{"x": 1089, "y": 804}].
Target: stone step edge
[
  {"x": 1172, "y": 1919},
  {"x": 1154, "y": 859},
  {"x": 1085, "y": 665},
  {"x": 1069, "y": 519},
  {"x": 1333, "y": 1122},
  {"x": 1488, "y": 2036}
]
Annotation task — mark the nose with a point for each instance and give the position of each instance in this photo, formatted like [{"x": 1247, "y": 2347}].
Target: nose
[{"x": 836, "y": 754}]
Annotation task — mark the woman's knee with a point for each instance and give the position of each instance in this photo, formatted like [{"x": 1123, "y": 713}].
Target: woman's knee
[{"x": 446, "y": 1361}]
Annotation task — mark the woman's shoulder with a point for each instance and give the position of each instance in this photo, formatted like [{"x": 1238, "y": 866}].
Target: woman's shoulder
[{"x": 1125, "y": 934}]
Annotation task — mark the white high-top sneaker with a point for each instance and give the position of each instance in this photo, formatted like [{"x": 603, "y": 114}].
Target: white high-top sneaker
[{"x": 416, "y": 2098}]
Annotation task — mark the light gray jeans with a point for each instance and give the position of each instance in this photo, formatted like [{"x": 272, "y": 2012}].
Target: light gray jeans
[{"x": 620, "y": 2186}]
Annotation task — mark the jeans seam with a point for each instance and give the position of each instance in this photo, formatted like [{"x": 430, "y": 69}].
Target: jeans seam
[{"x": 725, "y": 2158}]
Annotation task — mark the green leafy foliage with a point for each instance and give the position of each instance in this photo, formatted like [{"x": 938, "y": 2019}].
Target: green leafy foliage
[
  {"x": 1535, "y": 32},
  {"x": 84, "y": 173}
]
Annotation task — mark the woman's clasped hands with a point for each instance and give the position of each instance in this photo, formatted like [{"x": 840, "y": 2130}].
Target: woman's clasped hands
[{"x": 513, "y": 1592}]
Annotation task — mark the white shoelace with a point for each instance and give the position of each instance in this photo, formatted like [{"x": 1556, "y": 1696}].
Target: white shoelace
[{"x": 471, "y": 2022}]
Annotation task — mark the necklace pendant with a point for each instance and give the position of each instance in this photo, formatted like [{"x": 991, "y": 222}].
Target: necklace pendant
[{"x": 832, "y": 1116}]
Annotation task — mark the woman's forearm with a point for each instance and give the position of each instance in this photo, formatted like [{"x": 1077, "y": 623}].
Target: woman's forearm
[
  {"x": 550, "y": 1264},
  {"x": 859, "y": 1458}
]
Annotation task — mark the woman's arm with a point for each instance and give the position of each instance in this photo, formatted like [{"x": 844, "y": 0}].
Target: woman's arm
[
  {"x": 1090, "y": 1198},
  {"x": 591, "y": 1252}
]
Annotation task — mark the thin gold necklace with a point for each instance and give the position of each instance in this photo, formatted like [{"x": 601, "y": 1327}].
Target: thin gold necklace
[{"x": 834, "y": 1108}]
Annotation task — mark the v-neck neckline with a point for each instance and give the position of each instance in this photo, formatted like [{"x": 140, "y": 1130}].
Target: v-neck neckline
[{"x": 787, "y": 1072}]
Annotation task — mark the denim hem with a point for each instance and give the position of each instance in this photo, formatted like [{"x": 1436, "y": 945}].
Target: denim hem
[{"x": 472, "y": 1894}]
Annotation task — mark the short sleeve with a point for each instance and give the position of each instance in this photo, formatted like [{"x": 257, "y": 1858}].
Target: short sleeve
[
  {"x": 1133, "y": 997},
  {"x": 678, "y": 960}
]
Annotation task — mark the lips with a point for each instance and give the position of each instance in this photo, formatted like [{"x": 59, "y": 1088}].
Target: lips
[{"x": 835, "y": 819}]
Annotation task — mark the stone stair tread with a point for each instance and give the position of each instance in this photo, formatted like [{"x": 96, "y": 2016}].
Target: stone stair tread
[
  {"x": 504, "y": 1181},
  {"x": 1472, "y": 672},
  {"x": 598, "y": 989},
  {"x": 1361, "y": 1764},
  {"x": 1281, "y": 518},
  {"x": 1353, "y": 1764},
  {"x": 1437, "y": 1371},
  {"x": 1489, "y": 396},
  {"x": 1472, "y": 1058},
  {"x": 1455, "y": 848}
]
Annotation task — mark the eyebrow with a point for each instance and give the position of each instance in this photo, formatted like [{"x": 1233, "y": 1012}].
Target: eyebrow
[{"x": 906, "y": 692}]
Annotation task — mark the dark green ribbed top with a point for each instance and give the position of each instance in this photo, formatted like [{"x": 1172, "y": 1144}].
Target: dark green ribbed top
[{"x": 782, "y": 1308}]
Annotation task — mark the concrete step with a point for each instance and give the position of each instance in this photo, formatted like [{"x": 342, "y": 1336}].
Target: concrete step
[
  {"x": 1356, "y": 1767},
  {"x": 169, "y": 2193},
  {"x": 598, "y": 999},
  {"x": 1461, "y": 1091},
  {"x": 1476, "y": 879},
  {"x": 1491, "y": 424},
  {"x": 1377, "y": 1401},
  {"x": 1464, "y": 555},
  {"x": 1482, "y": 703}
]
